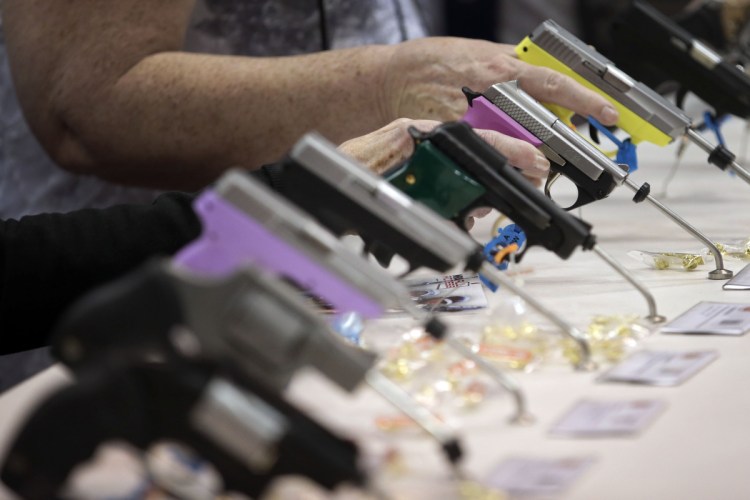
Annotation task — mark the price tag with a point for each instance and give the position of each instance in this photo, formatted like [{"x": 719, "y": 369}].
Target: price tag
[
  {"x": 536, "y": 476},
  {"x": 714, "y": 318},
  {"x": 662, "y": 368},
  {"x": 590, "y": 418}
]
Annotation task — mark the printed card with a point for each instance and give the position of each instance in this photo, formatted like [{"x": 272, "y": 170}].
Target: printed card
[
  {"x": 453, "y": 293},
  {"x": 712, "y": 318},
  {"x": 538, "y": 476},
  {"x": 590, "y": 418},
  {"x": 661, "y": 368}
]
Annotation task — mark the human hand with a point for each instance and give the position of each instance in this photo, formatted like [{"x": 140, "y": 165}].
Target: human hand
[
  {"x": 391, "y": 145},
  {"x": 424, "y": 78}
]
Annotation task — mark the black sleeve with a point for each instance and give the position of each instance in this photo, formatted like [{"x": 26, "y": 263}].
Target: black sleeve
[{"x": 49, "y": 260}]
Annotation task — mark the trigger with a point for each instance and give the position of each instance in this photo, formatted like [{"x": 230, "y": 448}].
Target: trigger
[
  {"x": 382, "y": 255},
  {"x": 679, "y": 97},
  {"x": 551, "y": 179},
  {"x": 594, "y": 134}
]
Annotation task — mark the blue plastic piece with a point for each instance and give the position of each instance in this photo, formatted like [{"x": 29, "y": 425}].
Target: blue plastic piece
[
  {"x": 712, "y": 123},
  {"x": 626, "y": 150},
  {"x": 350, "y": 326},
  {"x": 512, "y": 233}
]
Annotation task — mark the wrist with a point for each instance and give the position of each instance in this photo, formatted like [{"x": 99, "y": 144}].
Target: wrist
[{"x": 386, "y": 93}]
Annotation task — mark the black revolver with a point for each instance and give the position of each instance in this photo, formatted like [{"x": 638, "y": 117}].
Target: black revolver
[{"x": 244, "y": 430}]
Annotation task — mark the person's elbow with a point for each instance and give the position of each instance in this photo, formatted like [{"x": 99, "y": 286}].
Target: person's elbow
[
  {"x": 72, "y": 136},
  {"x": 71, "y": 153}
]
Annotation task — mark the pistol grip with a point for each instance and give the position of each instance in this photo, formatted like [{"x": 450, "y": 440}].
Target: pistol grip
[
  {"x": 104, "y": 323},
  {"x": 232, "y": 238},
  {"x": 67, "y": 429}
]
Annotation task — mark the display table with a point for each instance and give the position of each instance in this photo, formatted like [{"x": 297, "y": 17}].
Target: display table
[{"x": 698, "y": 448}]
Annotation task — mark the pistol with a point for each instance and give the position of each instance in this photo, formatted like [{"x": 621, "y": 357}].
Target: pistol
[
  {"x": 645, "y": 115},
  {"x": 655, "y": 49},
  {"x": 452, "y": 161},
  {"x": 248, "y": 432},
  {"x": 244, "y": 222},
  {"x": 506, "y": 108},
  {"x": 248, "y": 319}
]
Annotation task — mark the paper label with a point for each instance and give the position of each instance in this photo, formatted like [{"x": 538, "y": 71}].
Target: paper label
[
  {"x": 589, "y": 418},
  {"x": 712, "y": 318},
  {"x": 536, "y": 476},
  {"x": 662, "y": 368}
]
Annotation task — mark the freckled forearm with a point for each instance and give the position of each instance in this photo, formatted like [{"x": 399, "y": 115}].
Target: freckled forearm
[
  {"x": 177, "y": 120},
  {"x": 107, "y": 92}
]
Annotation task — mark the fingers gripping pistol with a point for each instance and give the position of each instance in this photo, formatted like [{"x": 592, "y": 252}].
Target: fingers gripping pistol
[
  {"x": 453, "y": 154},
  {"x": 506, "y": 108},
  {"x": 345, "y": 197},
  {"x": 644, "y": 114}
]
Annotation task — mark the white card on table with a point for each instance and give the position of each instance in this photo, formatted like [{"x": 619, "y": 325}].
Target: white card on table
[
  {"x": 662, "y": 368},
  {"x": 717, "y": 318},
  {"x": 538, "y": 476},
  {"x": 740, "y": 281},
  {"x": 590, "y": 418}
]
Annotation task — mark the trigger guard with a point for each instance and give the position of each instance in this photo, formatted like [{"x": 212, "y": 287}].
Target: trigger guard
[
  {"x": 594, "y": 135},
  {"x": 679, "y": 97},
  {"x": 460, "y": 218},
  {"x": 519, "y": 255},
  {"x": 551, "y": 179},
  {"x": 382, "y": 255},
  {"x": 581, "y": 200}
]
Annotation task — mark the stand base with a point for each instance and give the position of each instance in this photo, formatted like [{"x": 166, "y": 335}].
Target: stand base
[
  {"x": 720, "y": 274},
  {"x": 523, "y": 419},
  {"x": 587, "y": 366}
]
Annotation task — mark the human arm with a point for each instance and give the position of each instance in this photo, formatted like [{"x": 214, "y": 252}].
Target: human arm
[
  {"x": 108, "y": 91},
  {"x": 48, "y": 260}
]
